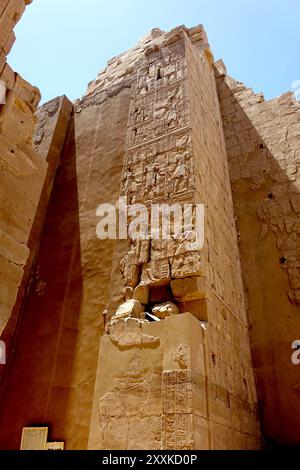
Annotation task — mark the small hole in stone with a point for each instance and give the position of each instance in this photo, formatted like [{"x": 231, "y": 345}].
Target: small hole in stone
[
  {"x": 270, "y": 196},
  {"x": 282, "y": 260},
  {"x": 12, "y": 151},
  {"x": 158, "y": 76},
  {"x": 261, "y": 146},
  {"x": 214, "y": 359}
]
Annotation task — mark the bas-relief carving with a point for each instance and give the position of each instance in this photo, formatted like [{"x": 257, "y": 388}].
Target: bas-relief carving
[
  {"x": 158, "y": 114},
  {"x": 127, "y": 333},
  {"x": 158, "y": 165},
  {"x": 178, "y": 410},
  {"x": 134, "y": 399},
  {"x": 162, "y": 400},
  {"x": 160, "y": 171},
  {"x": 280, "y": 219},
  {"x": 276, "y": 161},
  {"x": 182, "y": 356},
  {"x": 43, "y": 114},
  {"x": 167, "y": 68}
]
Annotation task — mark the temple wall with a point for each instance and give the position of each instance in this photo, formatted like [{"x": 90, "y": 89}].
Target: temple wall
[
  {"x": 22, "y": 171},
  {"x": 160, "y": 124},
  {"x": 57, "y": 339},
  {"x": 262, "y": 140},
  {"x": 168, "y": 128},
  {"x": 231, "y": 394}
]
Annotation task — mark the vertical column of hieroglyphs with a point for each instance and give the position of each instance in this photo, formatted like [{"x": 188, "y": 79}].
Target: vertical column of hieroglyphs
[
  {"x": 178, "y": 409},
  {"x": 22, "y": 171}
]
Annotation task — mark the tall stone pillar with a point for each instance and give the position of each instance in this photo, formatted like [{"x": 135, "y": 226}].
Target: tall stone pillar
[{"x": 169, "y": 384}]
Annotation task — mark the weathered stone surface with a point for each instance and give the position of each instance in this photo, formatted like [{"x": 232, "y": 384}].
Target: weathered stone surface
[
  {"x": 187, "y": 289},
  {"x": 141, "y": 293},
  {"x": 22, "y": 172},
  {"x": 165, "y": 310},
  {"x": 169, "y": 155},
  {"x": 131, "y": 308},
  {"x": 262, "y": 140},
  {"x": 162, "y": 403},
  {"x": 159, "y": 125},
  {"x": 127, "y": 333}
]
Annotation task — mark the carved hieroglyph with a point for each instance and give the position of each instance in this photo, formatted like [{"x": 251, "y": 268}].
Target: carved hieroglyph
[{"x": 178, "y": 409}]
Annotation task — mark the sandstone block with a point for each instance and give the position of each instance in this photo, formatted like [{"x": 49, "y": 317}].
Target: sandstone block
[
  {"x": 127, "y": 332},
  {"x": 27, "y": 93},
  {"x": 8, "y": 77},
  {"x": 141, "y": 293},
  {"x": 15, "y": 124},
  {"x": 11, "y": 15},
  {"x": 156, "y": 273},
  {"x": 12, "y": 250},
  {"x": 198, "y": 308},
  {"x": 130, "y": 308},
  {"x": 187, "y": 265},
  {"x": 164, "y": 310},
  {"x": 3, "y": 4},
  {"x": 188, "y": 289},
  {"x": 9, "y": 43},
  {"x": 2, "y": 60}
]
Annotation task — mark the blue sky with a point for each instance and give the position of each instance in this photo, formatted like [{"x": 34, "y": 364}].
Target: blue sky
[{"x": 62, "y": 44}]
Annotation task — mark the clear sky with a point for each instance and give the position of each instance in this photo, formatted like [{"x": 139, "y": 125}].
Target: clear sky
[{"x": 63, "y": 44}]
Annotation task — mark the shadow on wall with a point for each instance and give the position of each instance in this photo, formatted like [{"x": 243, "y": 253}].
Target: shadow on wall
[
  {"x": 264, "y": 169},
  {"x": 39, "y": 371}
]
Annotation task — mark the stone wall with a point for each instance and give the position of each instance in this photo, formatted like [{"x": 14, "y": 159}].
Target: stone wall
[
  {"x": 231, "y": 394},
  {"x": 173, "y": 95},
  {"x": 153, "y": 129},
  {"x": 57, "y": 339},
  {"x": 22, "y": 171},
  {"x": 262, "y": 139},
  {"x": 138, "y": 132}
]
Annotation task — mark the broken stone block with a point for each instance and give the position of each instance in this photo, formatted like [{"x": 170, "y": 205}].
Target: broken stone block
[
  {"x": 8, "y": 77},
  {"x": 127, "y": 332},
  {"x": 164, "y": 310},
  {"x": 27, "y": 93},
  {"x": 141, "y": 293},
  {"x": 220, "y": 68},
  {"x": 131, "y": 308},
  {"x": 192, "y": 288}
]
